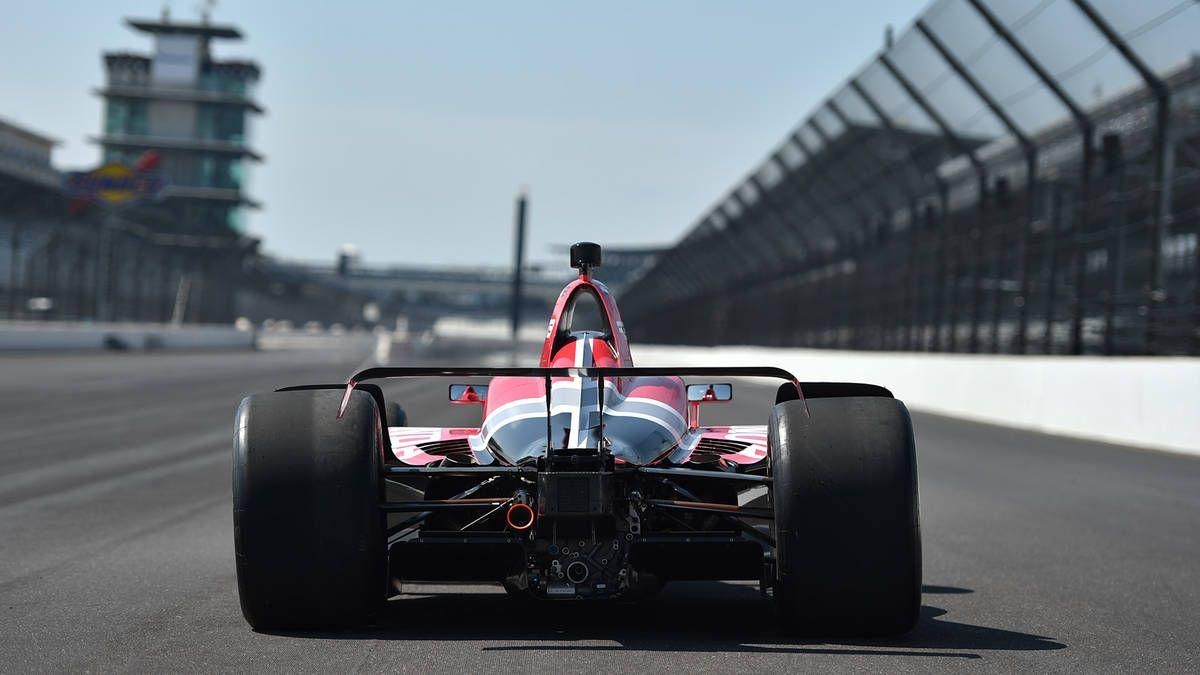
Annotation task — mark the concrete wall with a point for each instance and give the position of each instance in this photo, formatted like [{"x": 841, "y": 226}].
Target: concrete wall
[
  {"x": 1145, "y": 402},
  {"x": 38, "y": 336}
]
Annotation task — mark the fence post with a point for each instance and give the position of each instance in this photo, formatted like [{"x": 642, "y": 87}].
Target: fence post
[
  {"x": 1163, "y": 168},
  {"x": 1086, "y": 131},
  {"x": 960, "y": 147},
  {"x": 1030, "y": 151},
  {"x": 14, "y": 269}
]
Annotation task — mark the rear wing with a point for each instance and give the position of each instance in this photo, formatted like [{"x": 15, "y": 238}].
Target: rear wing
[{"x": 388, "y": 372}]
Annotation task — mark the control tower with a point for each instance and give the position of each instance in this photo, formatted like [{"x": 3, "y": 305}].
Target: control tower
[{"x": 194, "y": 111}]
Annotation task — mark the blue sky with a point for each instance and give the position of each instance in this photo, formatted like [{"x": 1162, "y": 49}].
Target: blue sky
[{"x": 407, "y": 128}]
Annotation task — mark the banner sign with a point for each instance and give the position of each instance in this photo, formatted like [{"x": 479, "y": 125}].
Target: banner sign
[{"x": 115, "y": 183}]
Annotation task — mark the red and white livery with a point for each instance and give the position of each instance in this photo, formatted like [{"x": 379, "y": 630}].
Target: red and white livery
[{"x": 586, "y": 477}]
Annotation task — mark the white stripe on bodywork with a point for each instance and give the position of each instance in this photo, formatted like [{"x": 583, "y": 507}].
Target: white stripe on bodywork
[
  {"x": 583, "y": 358},
  {"x": 579, "y": 398},
  {"x": 676, "y": 431}
]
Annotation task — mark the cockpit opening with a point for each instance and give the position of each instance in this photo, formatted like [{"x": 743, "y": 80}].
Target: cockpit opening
[{"x": 585, "y": 313}]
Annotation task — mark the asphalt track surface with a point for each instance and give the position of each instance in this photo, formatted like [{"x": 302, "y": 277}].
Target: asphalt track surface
[{"x": 116, "y": 549}]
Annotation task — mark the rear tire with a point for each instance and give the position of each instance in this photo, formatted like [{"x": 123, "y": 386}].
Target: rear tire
[
  {"x": 847, "y": 524},
  {"x": 308, "y": 531},
  {"x": 396, "y": 417}
]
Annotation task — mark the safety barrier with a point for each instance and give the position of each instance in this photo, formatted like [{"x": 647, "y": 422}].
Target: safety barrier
[
  {"x": 1140, "y": 401},
  {"x": 45, "y": 336}
]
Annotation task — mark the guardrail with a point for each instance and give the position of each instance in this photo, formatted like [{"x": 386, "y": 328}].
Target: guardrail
[{"x": 1149, "y": 402}]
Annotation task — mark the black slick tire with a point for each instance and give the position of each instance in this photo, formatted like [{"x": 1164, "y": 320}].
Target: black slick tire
[
  {"x": 308, "y": 531},
  {"x": 848, "y": 555},
  {"x": 396, "y": 416}
]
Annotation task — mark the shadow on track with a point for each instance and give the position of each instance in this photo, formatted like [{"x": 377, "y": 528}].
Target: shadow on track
[
  {"x": 944, "y": 590},
  {"x": 686, "y": 617}
]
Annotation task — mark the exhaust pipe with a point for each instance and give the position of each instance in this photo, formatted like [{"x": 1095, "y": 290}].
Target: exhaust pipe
[{"x": 519, "y": 516}]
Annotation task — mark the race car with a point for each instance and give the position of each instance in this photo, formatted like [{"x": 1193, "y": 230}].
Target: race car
[{"x": 587, "y": 478}]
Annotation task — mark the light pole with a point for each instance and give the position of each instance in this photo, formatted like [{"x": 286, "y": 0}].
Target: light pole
[{"x": 518, "y": 261}]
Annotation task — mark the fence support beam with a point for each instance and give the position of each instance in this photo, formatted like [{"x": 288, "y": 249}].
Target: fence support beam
[
  {"x": 745, "y": 226},
  {"x": 791, "y": 182},
  {"x": 811, "y": 161},
  {"x": 911, "y": 198},
  {"x": 915, "y": 217},
  {"x": 792, "y": 236},
  {"x": 844, "y": 195},
  {"x": 1163, "y": 168},
  {"x": 1029, "y": 149},
  {"x": 962, "y": 148},
  {"x": 872, "y": 240},
  {"x": 880, "y": 201},
  {"x": 1086, "y": 131}
]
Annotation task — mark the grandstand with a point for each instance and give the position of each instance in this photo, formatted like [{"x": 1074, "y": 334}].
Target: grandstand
[{"x": 1016, "y": 176}]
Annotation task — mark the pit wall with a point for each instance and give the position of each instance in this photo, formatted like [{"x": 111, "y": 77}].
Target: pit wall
[{"x": 1144, "y": 402}]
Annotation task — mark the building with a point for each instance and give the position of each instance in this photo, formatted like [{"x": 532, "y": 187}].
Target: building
[
  {"x": 67, "y": 258},
  {"x": 26, "y": 154},
  {"x": 421, "y": 294},
  {"x": 28, "y": 183},
  {"x": 194, "y": 111},
  {"x": 70, "y": 254}
]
